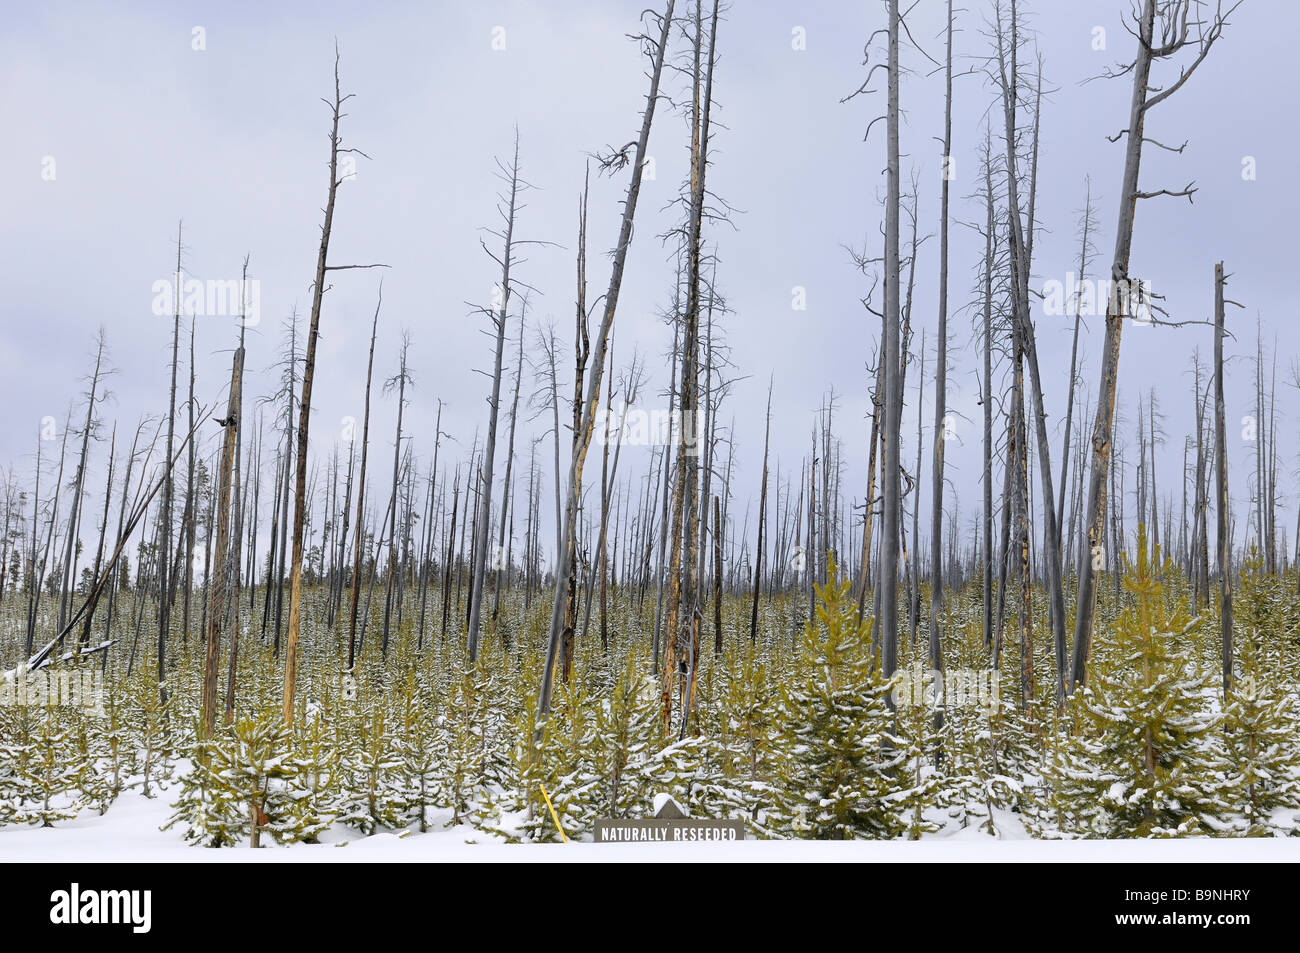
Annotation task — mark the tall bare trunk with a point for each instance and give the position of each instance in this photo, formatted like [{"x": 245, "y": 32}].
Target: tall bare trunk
[
  {"x": 484, "y": 518},
  {"x": 659, "y": 48},
  {"x": 221, "y": 599},
  {"x": 1221, "y": 484},
  {"x": 1174, "y": 37},
  {"x": 304, "y": 409}
]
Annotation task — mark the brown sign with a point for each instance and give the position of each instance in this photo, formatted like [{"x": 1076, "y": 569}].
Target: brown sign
[{"x": 615, "y": 830}]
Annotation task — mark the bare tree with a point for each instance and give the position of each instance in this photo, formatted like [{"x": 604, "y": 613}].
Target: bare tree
[
  {"x": 398, "y": 382},
  {"x": 507, "y": 486},
  {"x": 357, "y": 548},
  {"x": 165, "y": 521},
  {"x": 656, "y": 48},
  {"x": 682, "y": 627},
  {"x": 762, "y": 518},
  {"x": 91, "y": 425},
  {"x": 304, "y": 408},
  {"x": 941, "y": 376},
  {"x": 889, "y": 390},
  {"x": 1164, "y": 29},
  {"x": 1221, "y": 481},
  {"x": 221, "y": 594},
  {"x": 1087, "y": 225},
  {"x": 499, "y": 314}
]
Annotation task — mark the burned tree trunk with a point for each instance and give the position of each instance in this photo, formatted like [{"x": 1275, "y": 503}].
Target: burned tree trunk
[
  {"x": 940, "y": 378},
  {"x": 762, "y": 520},
  {"x": 1175, "y": 36},
  {"x": 304, "y": 409},
  {"x": 221, "y": 594},
  {"x": 1221, "y": 484},
  {"x": 657, "y": 47},
  {"x": 398, "y": 382},
  {"x": 483, "y": 520},
  {"x": 357, "y": 547}
]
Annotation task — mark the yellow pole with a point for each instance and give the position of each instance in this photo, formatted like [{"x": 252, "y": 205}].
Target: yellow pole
[{"x": 553, "y": 814}]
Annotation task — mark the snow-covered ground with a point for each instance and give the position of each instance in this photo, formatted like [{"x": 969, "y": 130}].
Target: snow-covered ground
[{"x": 129, "y": 831}]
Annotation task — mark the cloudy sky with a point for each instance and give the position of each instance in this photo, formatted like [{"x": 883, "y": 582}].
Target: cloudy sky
[{"x": 123, "y": 119}]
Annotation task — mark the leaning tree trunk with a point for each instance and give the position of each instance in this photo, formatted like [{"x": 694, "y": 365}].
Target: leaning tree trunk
[{"x": 598, "y": 363}]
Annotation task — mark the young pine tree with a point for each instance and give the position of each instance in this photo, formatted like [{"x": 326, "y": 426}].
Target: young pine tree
[
  {"x": 306, "y": 800},
  {"x": 371, "y": 793},
  {"x": 628, "y": 732},
  {"x": 1260, "y": 716},
  {"x": 48, "y": 775},
  {"x": 1143, "y": 760},
  {"x": 843, "y": 758},
  {"x": 254, "y": 763},
  {"x": 208, "y": 807},
  {"x": 748, "y": 739}
]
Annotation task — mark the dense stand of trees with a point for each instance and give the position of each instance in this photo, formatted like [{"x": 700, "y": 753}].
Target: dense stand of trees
[{"x": 275, "y": 512}]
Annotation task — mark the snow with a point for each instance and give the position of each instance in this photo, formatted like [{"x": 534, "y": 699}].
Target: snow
[
  {"x": 129, "y": 832},
  {"x": 662, "y": 799}
]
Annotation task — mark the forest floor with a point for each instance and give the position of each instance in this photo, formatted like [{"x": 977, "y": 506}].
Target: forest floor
[
  {"x": 790, "y": 733},
  {"x": 130, "y": 830}
]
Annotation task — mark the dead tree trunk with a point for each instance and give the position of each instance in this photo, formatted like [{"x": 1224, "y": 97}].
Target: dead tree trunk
[
  {"x": 506, "y": 486},
  {"x": 357, "y": 546},
  {"x": 69, "y": 583},
  {"x": 681, "y": 630},
  {"x": 990, "y": 250},
  {"x": 762, "y": 521},
  {"x": 165, "y": 521},
  {"x": 657, "y": 49},
  {"x": 941, "y": 378},
  {"x": 304, "y": 409},
  {"x": 499, "y": 318},
  {"x": 237, "y": 541},
  {"x": 891, "y": 490},
  {"x": 1221, "y": 484},
  {"x": 188, "y": 516},
  {"x": 1177, "y": 31},
  {"x": 397, "y": 382},
  {"x": 581, "y": 353},
  {"x": 103, "y": 531},
  {"x": 717, "y": 576},
  {"x": 223, "y": 568},
  {"x": 1085, "y": 252}
]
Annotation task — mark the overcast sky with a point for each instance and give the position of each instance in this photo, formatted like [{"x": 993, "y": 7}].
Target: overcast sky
[{"x": 117, "y": 127}]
